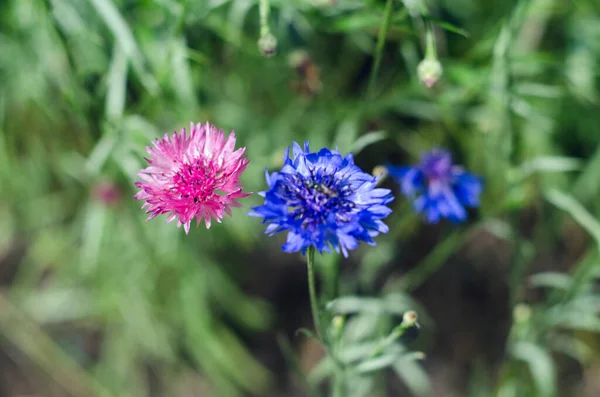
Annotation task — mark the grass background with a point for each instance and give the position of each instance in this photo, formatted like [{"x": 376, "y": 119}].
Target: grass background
[{"x": 95, "y": 301}]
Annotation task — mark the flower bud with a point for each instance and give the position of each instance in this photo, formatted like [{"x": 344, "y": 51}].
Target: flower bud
[
  {"x": 521, "y": 313},
  {"x": 338, "y": 322},
  {"x": 409, "y": 319},
  {"x": 267, "y": 44},
  {"x": 380, "y": 170},
  {"x": 429, "y": 71}
]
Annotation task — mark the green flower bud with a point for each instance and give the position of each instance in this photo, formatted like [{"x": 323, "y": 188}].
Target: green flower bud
[
  {"x": 429, "y": 71},
  {"x": 409, "y": 319},
  {"x": 267, "y": 44}
]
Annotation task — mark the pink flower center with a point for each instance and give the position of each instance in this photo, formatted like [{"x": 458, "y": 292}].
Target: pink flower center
[{"x": 196, "y": 182}]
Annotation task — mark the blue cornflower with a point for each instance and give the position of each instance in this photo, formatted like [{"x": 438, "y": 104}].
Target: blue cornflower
[
  {"x": 322, "y": 199},
  {"x": 439, "y": 188}
]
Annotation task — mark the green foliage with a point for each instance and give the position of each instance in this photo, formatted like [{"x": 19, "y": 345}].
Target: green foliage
[{"x": 86, "y": 85}]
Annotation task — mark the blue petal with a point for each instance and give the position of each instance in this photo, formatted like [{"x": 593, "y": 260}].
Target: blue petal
[
  {"x": 296, "y": 150},
  {"x": 468, "y": 188}
]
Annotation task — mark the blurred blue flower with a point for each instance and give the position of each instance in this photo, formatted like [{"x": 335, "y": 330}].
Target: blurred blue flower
[
  {"x": 438, "y": 188},
  {"x": 322, "y": 199}
]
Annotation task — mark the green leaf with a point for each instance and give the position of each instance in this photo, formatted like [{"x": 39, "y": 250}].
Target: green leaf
[
  {"x": 92, "y": 234},
  {"x": 540, "y": 366},
  {"x": 181, "y": 75},
  {"x": 117, "y": 82},
  {"x": 447, "y": 26},
  {"x": 368, "y": 139},
  {"x": 539, "y": 90},
  {"x": 355, "y": 304},
  {"x": 386, "y": 360},
  {"x": 433, "y": 261},
  {"x": 587, "y": 187},
  {"x": 568, "y": 204},
  {"x": 308, "y": 334},
  {"x": 549, "y": 164},
  {"x": 101, "y": 153},
  {"x": 414, "y": 377},
  {"x": 554, "y": 280},
  {"x": 566, "y": 317},
  {"x": 124, "y": 37},
  {"x": 377, "y": 363}
]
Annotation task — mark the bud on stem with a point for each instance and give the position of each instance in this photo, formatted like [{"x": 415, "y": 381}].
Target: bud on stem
[
  {"x": 430, "y": 69},
  {"x": 409, "y": 320}
]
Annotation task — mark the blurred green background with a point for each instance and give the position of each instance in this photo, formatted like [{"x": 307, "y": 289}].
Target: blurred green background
[{"x": 94, "y": 301}]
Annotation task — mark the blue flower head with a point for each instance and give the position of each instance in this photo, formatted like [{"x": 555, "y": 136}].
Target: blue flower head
[
  {"x": 439, "y": 188},
  {"x": 323, "y": 200}
]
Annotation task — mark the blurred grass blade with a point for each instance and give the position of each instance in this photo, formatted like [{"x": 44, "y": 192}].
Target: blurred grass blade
[
  {"x": 101, "y": 153},
  {"x": 93, "y": 230},
  {"x": 181, "y": 74},
  {"x": 432, "y": 262},
  {"x": 117, "y": 84},
  {"x": 567, "y": 318},
  {"x": 587, "y": 187},
  {"x": 414, "y": 377},
  {"x": 368, "y": 139},
  {"x": 447, "y": 26},
  {"x": 117, "y": 24},
  {"x": 43, "y": 351},
  {"x": 568, "y": 204},
  {"x": 385, "y": 361},
  {"x": 549, "y": 164},
  {"x": 541, "y": 366},
  {"x": 559, "y": 281},
  {"x": 124, "y": 37}
]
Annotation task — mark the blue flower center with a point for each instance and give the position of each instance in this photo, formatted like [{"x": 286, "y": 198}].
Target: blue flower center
[
  {"x": 312, "y": 201},
  {"x": 437, "y": 165}
]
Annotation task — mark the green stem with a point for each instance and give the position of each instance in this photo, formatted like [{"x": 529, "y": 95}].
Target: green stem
[
  {"x": 430, "y": 50},
  {"x": 333, "y": 276},
  {"x": 312, "y": 290},
  {"x": 385, "y": 27},
  {"x": 338, "y": 385},
  {"x": 263, "y": 8},
  {"x": 409, "y": 320}
]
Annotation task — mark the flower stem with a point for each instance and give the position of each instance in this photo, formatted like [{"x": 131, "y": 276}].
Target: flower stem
[
  {"x": 409, "y": 320},
  {"x": 264, "y": 7},
  {"x": 338, "y": 385},
  {"x": 314, "y": 304},
  {"x": 387, "y": 16},
  {"x": 430, "y": 51}
]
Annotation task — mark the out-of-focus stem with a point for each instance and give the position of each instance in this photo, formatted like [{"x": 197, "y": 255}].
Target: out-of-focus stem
[
  {"x": 385, "y": 27},
  {"x": 264, "y": 7},
  {"x": 312, "y": 290}
]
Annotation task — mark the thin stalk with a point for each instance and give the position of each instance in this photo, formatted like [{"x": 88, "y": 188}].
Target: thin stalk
[
  {"x": 338, "y": 385},
  {"x": 333, "y": 276},
  {"x": 264, "y": 8},
  {"x": 385, "y": 27},
  {"x": 312, "y": 290},
  {"x": 430, "y": 50},
  {"x": 409, "y": 320}
]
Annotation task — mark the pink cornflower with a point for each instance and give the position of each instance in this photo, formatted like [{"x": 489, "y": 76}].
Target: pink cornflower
[{"x": 193, "y": 176}]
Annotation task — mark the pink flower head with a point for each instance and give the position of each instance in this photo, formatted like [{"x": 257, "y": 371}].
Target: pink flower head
[{"x": 192, "y": 176}]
